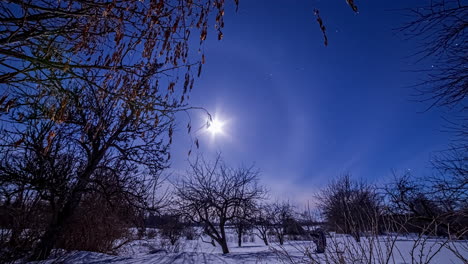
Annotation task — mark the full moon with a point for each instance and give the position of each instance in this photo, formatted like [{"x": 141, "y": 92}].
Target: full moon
[{"x": 215, "y": 127}]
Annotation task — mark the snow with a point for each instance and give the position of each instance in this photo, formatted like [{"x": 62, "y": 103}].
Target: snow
[{"x": 426, "y": 250}]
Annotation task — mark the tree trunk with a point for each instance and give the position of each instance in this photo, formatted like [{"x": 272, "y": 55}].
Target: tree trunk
[
  {"x": 357, "y": 236},
  {"x": 46, "y": 244},
  {"x": 265, "y": 240},
  {"x": 239, "y": 237},
  {"x": 15, "y": 235},
  {"x": 49, "y": 239},
  {"x": 320, "y": 242},
  {"x": 223, "y": 242},
  {"x": 53, "y": 232},
  {"x": 281, "y": 240},
  {"x": 224, "y": 246}
]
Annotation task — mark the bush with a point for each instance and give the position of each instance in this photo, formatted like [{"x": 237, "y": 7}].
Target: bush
[
  {"x": 96, "y": 226},
  {"x": 190, "y": 233},
  {"x": 172, "y": 228},
  {"x": 151, "y": 233}
]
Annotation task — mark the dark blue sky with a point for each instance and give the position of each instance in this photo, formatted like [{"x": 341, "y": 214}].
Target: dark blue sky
[{"x": 305, "y": 113}]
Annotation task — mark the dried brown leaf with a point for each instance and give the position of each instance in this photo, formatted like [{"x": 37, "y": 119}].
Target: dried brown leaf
[
  {"x": 352, "y": 5},
  {"x": 322, "y": 26}
]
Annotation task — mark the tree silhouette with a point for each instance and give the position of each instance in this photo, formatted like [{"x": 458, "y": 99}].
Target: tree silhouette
[
  {"x": 92, "y": 86},
  {"x": 213, "y": 194}
]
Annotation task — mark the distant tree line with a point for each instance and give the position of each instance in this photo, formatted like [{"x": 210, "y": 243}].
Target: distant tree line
[{"x": 405, "y": 205}]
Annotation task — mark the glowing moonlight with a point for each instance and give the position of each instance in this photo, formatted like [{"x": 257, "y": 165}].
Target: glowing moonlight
[{"x": 216, "y": 127}]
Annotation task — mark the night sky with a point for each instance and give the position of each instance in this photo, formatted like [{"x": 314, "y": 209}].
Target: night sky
[{"x": 304, "y": 113}]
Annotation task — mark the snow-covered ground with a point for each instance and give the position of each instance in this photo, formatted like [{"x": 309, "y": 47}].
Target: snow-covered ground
[{"x": 341, "y": 249}]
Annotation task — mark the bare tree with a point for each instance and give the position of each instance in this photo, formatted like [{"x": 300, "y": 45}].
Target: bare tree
[
  {"x": 171, "y": 227},
  {"x": 435, "y": 206},
  {"x": 280, "y": 213},
  {"x": 350, "y": 207},
  {"x": 441, "y": 28},
  {"x": 437, "y": 203},
  {"x": 441, "y": 25},
  {"x": 92, "y": 86},
  {"x": 262, "y": 222},
  {"x": 449, "y": 184},
  {"x": 108, "y": 205},
  {"x": 243, "y": 221},
  {"x": 212, "y": 194}
]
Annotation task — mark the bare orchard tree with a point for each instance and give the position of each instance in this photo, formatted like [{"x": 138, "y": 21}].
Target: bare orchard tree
[
  {"x": 89, "y": 85},
  {"x": 280, "y": 214},
  {"x": 243, "y": 222},
  {"x": 262, "y": 222},
  {"x": 212, "y": 194},
  {"x": 349, "y": 206}
]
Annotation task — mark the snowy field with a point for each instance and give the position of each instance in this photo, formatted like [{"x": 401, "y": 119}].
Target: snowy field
[{"x": 340, "y": 249}]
